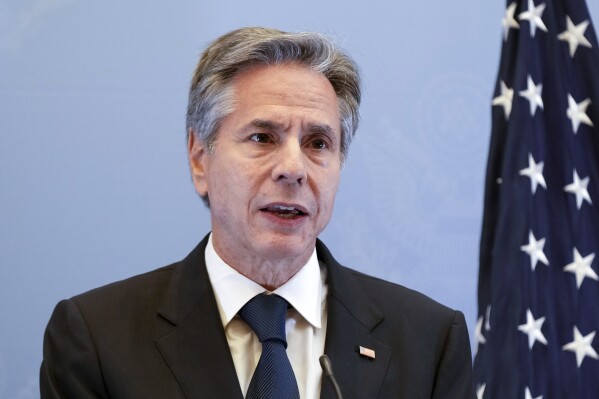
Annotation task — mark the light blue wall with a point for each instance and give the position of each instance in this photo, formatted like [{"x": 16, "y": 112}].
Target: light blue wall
[{"x": 94, "y": 178}]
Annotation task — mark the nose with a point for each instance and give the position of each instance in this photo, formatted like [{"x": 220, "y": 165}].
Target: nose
[{"x": 290, "y": 164}]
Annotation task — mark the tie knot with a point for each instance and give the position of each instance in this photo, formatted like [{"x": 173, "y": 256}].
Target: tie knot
[{"x": 265, "y": 314}]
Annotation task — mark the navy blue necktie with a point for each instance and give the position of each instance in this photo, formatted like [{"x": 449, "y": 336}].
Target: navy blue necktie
[{"x": 273, "y": 377}]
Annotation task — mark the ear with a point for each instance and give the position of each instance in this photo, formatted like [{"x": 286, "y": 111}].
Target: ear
[{"x": 197, "y": 154}]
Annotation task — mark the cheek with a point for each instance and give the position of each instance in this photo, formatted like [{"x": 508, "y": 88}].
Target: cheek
[
  {"x": 329, "y": 188},
  {"x": 231, "y": 184}
]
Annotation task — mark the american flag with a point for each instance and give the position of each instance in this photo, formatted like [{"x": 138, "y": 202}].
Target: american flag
[{"x": 538, "y": 293}]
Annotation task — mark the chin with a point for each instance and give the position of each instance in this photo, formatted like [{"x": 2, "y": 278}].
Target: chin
[{"x": 285, "y": 246}]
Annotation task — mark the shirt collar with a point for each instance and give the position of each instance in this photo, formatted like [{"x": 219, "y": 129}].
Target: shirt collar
[{"x": 233, "y": 290}]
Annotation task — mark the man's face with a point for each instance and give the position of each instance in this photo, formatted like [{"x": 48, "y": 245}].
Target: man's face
[{"x": 274, "y": 172}]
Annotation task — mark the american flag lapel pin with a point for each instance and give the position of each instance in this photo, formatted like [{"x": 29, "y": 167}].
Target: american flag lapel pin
[{"x": 366, "y": 352}]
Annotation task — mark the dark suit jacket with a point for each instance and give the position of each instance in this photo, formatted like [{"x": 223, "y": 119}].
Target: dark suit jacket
[{"x": 159, "y": 335}]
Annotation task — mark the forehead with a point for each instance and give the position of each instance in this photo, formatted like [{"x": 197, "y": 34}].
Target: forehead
[{"x": 286, "y": 90}]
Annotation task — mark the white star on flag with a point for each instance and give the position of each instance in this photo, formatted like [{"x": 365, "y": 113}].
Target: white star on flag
[
  {"x": 579, "y": 188},
  {"x": 505, "y": 99},
  {"x": 532, "y": 328},
  {"x": 574, "y": 35},
  {"x": 581, "y": 267},
  {"x": 577, "y": 112},
  {"x": 534, "y": 249},
  {"x": 533, "y": 16},
  {"x": 508, "y": 22},
  {"x": 533, "y": 95},
  {"x": 480, "y": 391},
  {"x": 479, "y": 338},
  {"x": 488, "y": 319},
  {"x": 535, "y": 173},
  {"x": 528, "y": 395},
  {"x": 581, "y": 346}
]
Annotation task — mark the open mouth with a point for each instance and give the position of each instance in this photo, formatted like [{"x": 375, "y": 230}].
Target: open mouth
[{"x": 285, "y": 212}]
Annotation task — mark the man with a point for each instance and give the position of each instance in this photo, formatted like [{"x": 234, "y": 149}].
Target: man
[{"x": 271, "y": 116}]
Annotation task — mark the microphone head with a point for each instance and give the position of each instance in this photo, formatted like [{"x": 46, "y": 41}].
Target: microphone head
[
  {"x": 325, "y": 364},
  {"x": 327, "y": 368}
]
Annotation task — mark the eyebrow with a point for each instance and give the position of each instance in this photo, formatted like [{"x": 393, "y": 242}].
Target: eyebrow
[
  {"x": 266, "y": 125},
  {"x": 322, "y": 129},
  {"x": 274, "y": 126}
]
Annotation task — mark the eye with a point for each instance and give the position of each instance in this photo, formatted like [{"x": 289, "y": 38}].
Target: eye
[
  {"x": 261, "y": 138},
  {"x": 319, "y": 144}
]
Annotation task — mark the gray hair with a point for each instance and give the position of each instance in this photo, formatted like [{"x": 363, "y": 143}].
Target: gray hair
[{"x": 211, "y": 91}]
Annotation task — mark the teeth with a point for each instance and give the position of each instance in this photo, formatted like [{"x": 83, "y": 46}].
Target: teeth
[
  {"x": 285, "y": 208},
  {"x": 286, "y": 211}
]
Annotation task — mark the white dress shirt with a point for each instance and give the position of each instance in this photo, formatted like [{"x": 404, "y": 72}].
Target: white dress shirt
[{"x": 306, "y": 323}]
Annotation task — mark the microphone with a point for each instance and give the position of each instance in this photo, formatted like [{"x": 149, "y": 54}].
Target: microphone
[{"x": 327, "y": 368}]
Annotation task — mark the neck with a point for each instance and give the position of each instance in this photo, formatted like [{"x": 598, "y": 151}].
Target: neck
[{"x": 270, "y": 273}]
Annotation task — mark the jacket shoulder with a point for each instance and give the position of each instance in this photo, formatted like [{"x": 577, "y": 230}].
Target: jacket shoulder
[
  {"x": 397, "y": 299},
  {"x": 138, "y": 287}
]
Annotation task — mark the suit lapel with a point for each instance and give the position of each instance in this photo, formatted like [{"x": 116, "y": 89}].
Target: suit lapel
[
  {"x": 352, "y": 321},
  {"x": 191, "y": 338}
]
